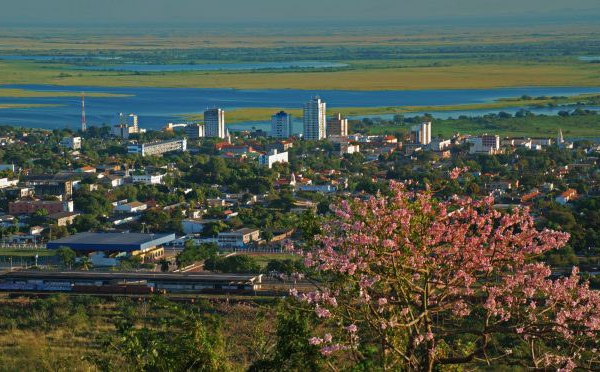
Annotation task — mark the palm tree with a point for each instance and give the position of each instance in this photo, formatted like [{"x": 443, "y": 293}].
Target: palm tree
[{"x": 85, "y": 263}]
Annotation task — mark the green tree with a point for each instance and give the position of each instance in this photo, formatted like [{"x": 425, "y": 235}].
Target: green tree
[
  {"x": 185, "y": 342},
  {"x": 292, "y": 351},
  {"x": 66, "y": 256}
]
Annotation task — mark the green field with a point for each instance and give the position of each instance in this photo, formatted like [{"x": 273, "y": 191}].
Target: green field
[
  {"x": 459, "y": 75},
  {"x": 378, "y": 58},
  {"x": 26, "y": 252},
  {"x": 585, "y": 126}
]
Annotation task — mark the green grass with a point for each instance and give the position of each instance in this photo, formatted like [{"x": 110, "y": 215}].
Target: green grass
[
  {"x": 26, "y": 252},
  {"x": 458, "y": 75},
  {"x": 264, "y": 258},
  {"x": 25, "y": 105},
  {"x": 27, "y": 93},
  {"x": 539, "y": 126}
]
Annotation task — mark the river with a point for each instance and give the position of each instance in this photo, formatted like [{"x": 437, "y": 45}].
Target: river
[{"x": 158, "y": 106}]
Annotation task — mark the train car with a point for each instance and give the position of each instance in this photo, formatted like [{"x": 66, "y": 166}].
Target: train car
[{"x": 113, "y": 289}]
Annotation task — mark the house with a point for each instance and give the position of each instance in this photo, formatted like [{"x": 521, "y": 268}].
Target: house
[
  {"x": 502, "y": 185},
  {"x": 567, "y": 196},
  {"x": 63, "y": 218},
  {"x": 133, "y": 207},
  {"x": 86, "y": 169},
  {"x": 113, "y": 180}
]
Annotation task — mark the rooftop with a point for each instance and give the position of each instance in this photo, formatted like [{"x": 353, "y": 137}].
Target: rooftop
[{"x": 91, "y": 241}]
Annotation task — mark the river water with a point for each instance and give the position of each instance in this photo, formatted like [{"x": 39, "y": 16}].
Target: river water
[{"x": 158, "y": 106}]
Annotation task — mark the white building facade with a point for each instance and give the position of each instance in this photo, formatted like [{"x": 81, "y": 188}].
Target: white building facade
[
  {"x": 314, "y": 120},
  {"x": 214, "y": 123},
  {"x": 272, "y": 157},
  {"x": 421, "y": 133}
]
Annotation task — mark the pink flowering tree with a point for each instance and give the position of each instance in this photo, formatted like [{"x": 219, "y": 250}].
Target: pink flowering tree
[{"x": 414, "y": 283}]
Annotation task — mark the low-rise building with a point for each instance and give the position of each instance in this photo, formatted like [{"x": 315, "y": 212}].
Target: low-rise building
[
  {"x": 157, "y": 148},
  {"x": 567, "y": 196},
  {"x": 73, "y": 143},
  {"x": 148, "y": 179},
  {"x": 6, "y": 183},
  {"x": 132, "y": 207},
  {"x": 63, "y": 218},
  {"x": 238, "y": 239},
  {"x": 28, "y": 207},
  {"x": 272, "y": 157},
  {"x": 318, "y": 188},
  {"x": 112, "y": 180}
]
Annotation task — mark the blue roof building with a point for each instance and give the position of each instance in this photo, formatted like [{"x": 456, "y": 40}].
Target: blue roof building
[{"x": 111, "y": 242}]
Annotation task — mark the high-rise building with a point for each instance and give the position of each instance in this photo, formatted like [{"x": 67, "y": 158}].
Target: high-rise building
[
  {"x": 281, "y": 125},
  {"x": 421, "y": 134},
  {"x": 337, "y": 126},
  {"x": 194, "y": 131},
  {"x": 214, "y": 123},
  {"x": 314, "y": 119},
  {"x": 126, "y": 125}
]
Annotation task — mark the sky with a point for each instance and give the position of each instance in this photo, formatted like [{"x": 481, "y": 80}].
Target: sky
[{"x": 77, "y": 12}]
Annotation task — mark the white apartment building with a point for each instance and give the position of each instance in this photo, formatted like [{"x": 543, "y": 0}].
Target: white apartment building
[
  {"x": 148, "y": 179},
  {"x": 214, "y": 123},
  {"x": 73, "y": 143},
  {"x": 272, "y": 157},
  {"x": 157, "y": 148},
  {"x": 421, "y": 133},
  {"x": 315, "y": 121},
  {"x": 281, "y": 125}
]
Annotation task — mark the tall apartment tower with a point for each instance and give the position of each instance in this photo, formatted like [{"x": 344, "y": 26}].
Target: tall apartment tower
[
  {"x": 421, "y": 133},
  {"x": 337, "y": 126},
  {"x": 214, "y": 123},
  {"x": 281, "y": 125},
  {"x": 314, "y": 119}
]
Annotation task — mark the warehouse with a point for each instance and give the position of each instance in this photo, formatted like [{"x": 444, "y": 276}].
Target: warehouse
[{"x": 136, "y": 244}]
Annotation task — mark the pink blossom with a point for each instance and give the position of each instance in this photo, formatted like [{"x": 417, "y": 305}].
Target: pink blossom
[
  {"x": 315, "y": 341},
  {"x": 458, "y": 258}
]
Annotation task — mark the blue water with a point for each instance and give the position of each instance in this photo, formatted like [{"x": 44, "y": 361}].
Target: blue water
[
  {"x": 158, "y": 106},
  {"x": 589, "y": 58},
  {"x": 142, "y": 67},
  {"x": 215, "y": 66}
]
